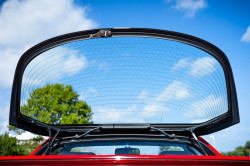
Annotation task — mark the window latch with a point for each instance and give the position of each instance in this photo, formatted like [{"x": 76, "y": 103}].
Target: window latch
[{"x": 101, "y": 33}]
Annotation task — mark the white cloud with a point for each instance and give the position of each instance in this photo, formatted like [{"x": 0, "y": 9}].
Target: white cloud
[
  {"x": 154, "y": 112},
  {"x": 182, "y": 63},
  {"x": 203, "y": 66},
  {"x": 156, "y": 105},
  {"x": 175, "y": 91},
  {"x": 132, "y": 114},
  {"x": 246, "y": 36},
  {"x": 207, "y": 108},
  {"x": 89, "y": 92},
  {"x": 198, "y": 68},
  {"x": 74, "y": 64},
  {"x": 143, "y": 95},
  {"x": 8, "y": 62},
  {"x": 190, "y": 7},
  {"x": 52, "y": 65},
  {"x": 199, "y": 120},
  {"x": 153, "y": 108},
  {"x": 26, "y": 136},
  {"x": 117, "y": 115},
  {"x": 28, "y": 22}
]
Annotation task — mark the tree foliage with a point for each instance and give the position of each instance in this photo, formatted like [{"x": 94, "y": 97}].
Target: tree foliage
[
  {"x": 15, "y": 129},
  {"x": 239, "y": 151},
  {"x": 169, "y": 148},
  {"x": 32, "y": 144},
  {"x": 247, "y": 146},
  {"x": 10, "y": 146},
  {"x": 51, "y": 104},
  {"x": 57, "y": 104}
]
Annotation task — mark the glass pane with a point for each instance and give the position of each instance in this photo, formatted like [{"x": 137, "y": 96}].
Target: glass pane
[
  {"x": 133, "y": 147},
  {"x": 124, "y": 80}
]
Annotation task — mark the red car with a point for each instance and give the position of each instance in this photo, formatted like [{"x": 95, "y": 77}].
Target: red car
[{"x": 124, "y": 96}]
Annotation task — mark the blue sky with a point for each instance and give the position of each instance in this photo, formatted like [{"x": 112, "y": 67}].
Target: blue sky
[{"x": 223, "y": 23}]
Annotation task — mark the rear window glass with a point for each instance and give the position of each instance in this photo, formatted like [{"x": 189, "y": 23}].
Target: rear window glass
[
  {"x": 123, "y": 80},
  {"x": 127, "y": 148}
]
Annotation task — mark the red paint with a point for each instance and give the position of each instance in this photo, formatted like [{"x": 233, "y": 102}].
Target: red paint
[
  {"x": 45, "y": 142},
  {"x": 32, "y": 154},
  {"x": 210, "y": 146},
  {"x": 121, "y": 160},
  {"x": 124, "y": 159},
  {"x": 204, "y": 141}
]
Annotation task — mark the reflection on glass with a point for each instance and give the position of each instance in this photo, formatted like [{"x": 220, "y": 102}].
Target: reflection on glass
[
  {"x": 57, "y": 104},
  {"x": 124, "y": 80}
]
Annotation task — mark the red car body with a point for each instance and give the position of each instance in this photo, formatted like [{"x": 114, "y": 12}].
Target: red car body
[
  {"x": 66, "y": 160},
  {"x": 125, "y": 159}
]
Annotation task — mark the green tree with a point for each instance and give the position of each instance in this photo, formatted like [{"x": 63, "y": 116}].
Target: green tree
[
  {"x": 32, "y": 144},
  {"x": 15, "y": 129},
  {"x": 239, "y": 151},
  {"x": 75, "y": 149},
  {"x": 10, "y": 146},
  {"x": 169, "y": 148},
  {"x": 57, "y": 104},
  {"x": 51, "y": 104},
  {"x": 247, "y": 146}
]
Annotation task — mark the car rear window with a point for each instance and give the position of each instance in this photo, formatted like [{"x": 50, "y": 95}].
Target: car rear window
[
  {"x": 124, "y": 80},
  {"x": 127, "y": 148}
]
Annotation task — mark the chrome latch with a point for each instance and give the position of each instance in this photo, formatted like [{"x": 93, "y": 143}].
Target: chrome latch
[{"x": 101, "y": 33}]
